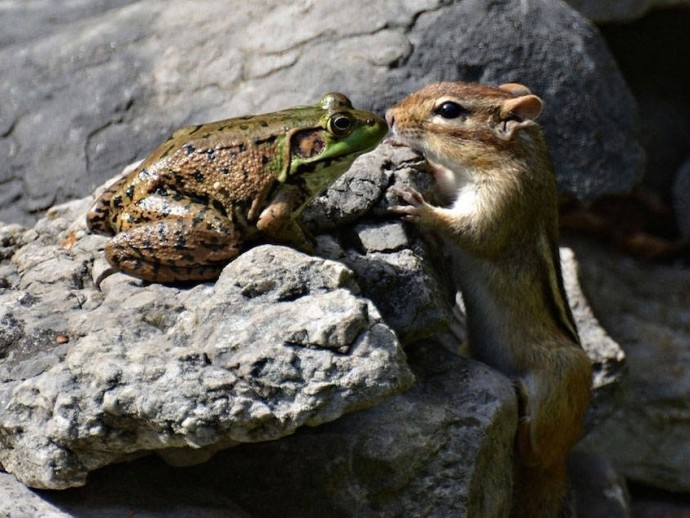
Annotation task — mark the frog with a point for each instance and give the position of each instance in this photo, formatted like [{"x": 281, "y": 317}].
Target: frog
[{"x": 213, "y": 190}]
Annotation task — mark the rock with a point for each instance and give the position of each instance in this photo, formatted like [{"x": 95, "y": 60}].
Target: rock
[
  {"x": 144, "y": 70},
  {"x": 393, "y": 267},
  {"x": 608, "y": 359},
  {"x": 147, "y": 492},
  {"x": 617, "y": 11},
  {"x": 281, "y": 340},
  {"x": 413, "y": 455},
  {"x": 644, "y": 307},
  {"x": 600, "y": 491},
  {"x": 681, "y": 199},
  {"x": 444, "y": 447},
  {"x": 658, "y": 79}
]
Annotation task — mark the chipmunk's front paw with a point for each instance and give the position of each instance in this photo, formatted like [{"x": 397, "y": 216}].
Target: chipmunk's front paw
[{"x": 416, "y": 207}]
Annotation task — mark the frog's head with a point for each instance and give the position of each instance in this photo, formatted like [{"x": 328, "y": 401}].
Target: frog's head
[{"x": 321, "y": 152}]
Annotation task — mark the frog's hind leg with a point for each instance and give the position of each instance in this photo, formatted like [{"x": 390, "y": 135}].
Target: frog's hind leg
[
  {"x": 98, "y": 216},
  {"x": 195, "y": 247}
]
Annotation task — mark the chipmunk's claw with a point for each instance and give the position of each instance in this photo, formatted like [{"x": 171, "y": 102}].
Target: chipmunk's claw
[{"x": 415, "y": 202}]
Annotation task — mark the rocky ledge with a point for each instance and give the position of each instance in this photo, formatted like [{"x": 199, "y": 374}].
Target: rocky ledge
[{"x": 281, "y": 341}]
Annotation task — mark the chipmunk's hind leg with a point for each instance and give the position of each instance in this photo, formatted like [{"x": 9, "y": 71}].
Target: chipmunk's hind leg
[{"x": 549, "y": 425}]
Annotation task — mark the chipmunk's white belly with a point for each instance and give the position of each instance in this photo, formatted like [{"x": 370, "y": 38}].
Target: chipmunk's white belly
[{"x": 457, "y": 187}]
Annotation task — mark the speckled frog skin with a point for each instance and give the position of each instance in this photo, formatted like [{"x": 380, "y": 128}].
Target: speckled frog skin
[{"x": 193, "y": 204}]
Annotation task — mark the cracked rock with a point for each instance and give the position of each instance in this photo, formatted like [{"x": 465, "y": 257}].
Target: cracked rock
[
  {"x": 153, "y": 368},
  {"x": 145, "y": 70}
]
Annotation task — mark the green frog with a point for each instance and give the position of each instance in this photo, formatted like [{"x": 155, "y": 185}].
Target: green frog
[{"x": 192, "y": 206}]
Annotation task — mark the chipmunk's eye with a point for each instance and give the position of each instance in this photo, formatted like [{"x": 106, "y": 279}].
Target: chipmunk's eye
[{"x": 450, "y": 110}]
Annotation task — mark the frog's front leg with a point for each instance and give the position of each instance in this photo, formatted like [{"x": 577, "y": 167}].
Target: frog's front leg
[
  {"x": 167, "y": 241},
  {"x": 279, "y": 224}
]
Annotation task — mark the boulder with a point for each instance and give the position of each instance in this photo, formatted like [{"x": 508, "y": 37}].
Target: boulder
[
  {"x": 644, "y": 307},
  {"x": 90, "y": 87},
  {"x": 617, "y": 11},
  {"x": 282, "y": 346},
  {"x": 88, "y": 378},
  {"x": 681, "y": 199}
]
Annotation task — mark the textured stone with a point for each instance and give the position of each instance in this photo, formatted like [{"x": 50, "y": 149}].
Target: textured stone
[
  {"x": 250, "y": 358},
  {"x": 681, "y": 199},
  {"x": 90, "y": 87},
  {"x": 616, "y": 11},
  {"x": 89, "y": 377},
  {"x": 644, "y": 307},
  {"x": 608, "y": 358},
  {"x": 442, "y": 448},
  {"x": 281, "y": 340}
]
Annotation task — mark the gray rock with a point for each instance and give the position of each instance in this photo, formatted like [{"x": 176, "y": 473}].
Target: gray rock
[
  {"x": 616, "y": 11},
  {"x": 608, "y": 359},
  {"x": 147, "y": 492},
  {"x": 281, "y": 340},
  {"x": 644, "y": 307},
  {"x": 601, "y": 492},
  {"x": 561, "y": 57},
  {"x": 681, "y": 199},
  {"x": 90, "y": 87},
  {"x": 413, "y": 455}
]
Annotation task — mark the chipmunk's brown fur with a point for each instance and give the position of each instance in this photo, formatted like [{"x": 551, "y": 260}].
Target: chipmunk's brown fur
[{"x": 498, "y": 187}]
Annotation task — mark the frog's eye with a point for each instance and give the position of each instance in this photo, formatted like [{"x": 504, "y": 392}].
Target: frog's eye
[
  {"x": 340, "y": 124},
  {"x": 450, "y": 110}
]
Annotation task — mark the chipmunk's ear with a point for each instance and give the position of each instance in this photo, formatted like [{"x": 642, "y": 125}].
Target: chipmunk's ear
[
  {"x": 517, "y": 113},
  {"x": 515, "y": 88},
  {"x": 526, "y": 107}
]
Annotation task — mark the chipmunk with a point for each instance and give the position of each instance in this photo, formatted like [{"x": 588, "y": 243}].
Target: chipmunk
[{"x": 495, "y": 177}]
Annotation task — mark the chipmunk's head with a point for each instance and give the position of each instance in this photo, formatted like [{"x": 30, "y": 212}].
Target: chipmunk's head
[{"x": 465, "y": 122}]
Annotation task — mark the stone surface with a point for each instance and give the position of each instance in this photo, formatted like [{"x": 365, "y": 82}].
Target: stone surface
[
  {"x": 681, "y": 199},
  {"x": 413, "y": 455},
  {"x": 250, "y": 358},
  {"x": 616, "y": 11},
  {"x": 281, "y": 340},
  {"x": 91, "y": 86},
  {"x": 608, "y": 359},
  {"x": 600, "y": 491},
  {"x": 653, "y": 53},
  {"x": 644, "y": 307},
  {"x": 144, "y": 489}
]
